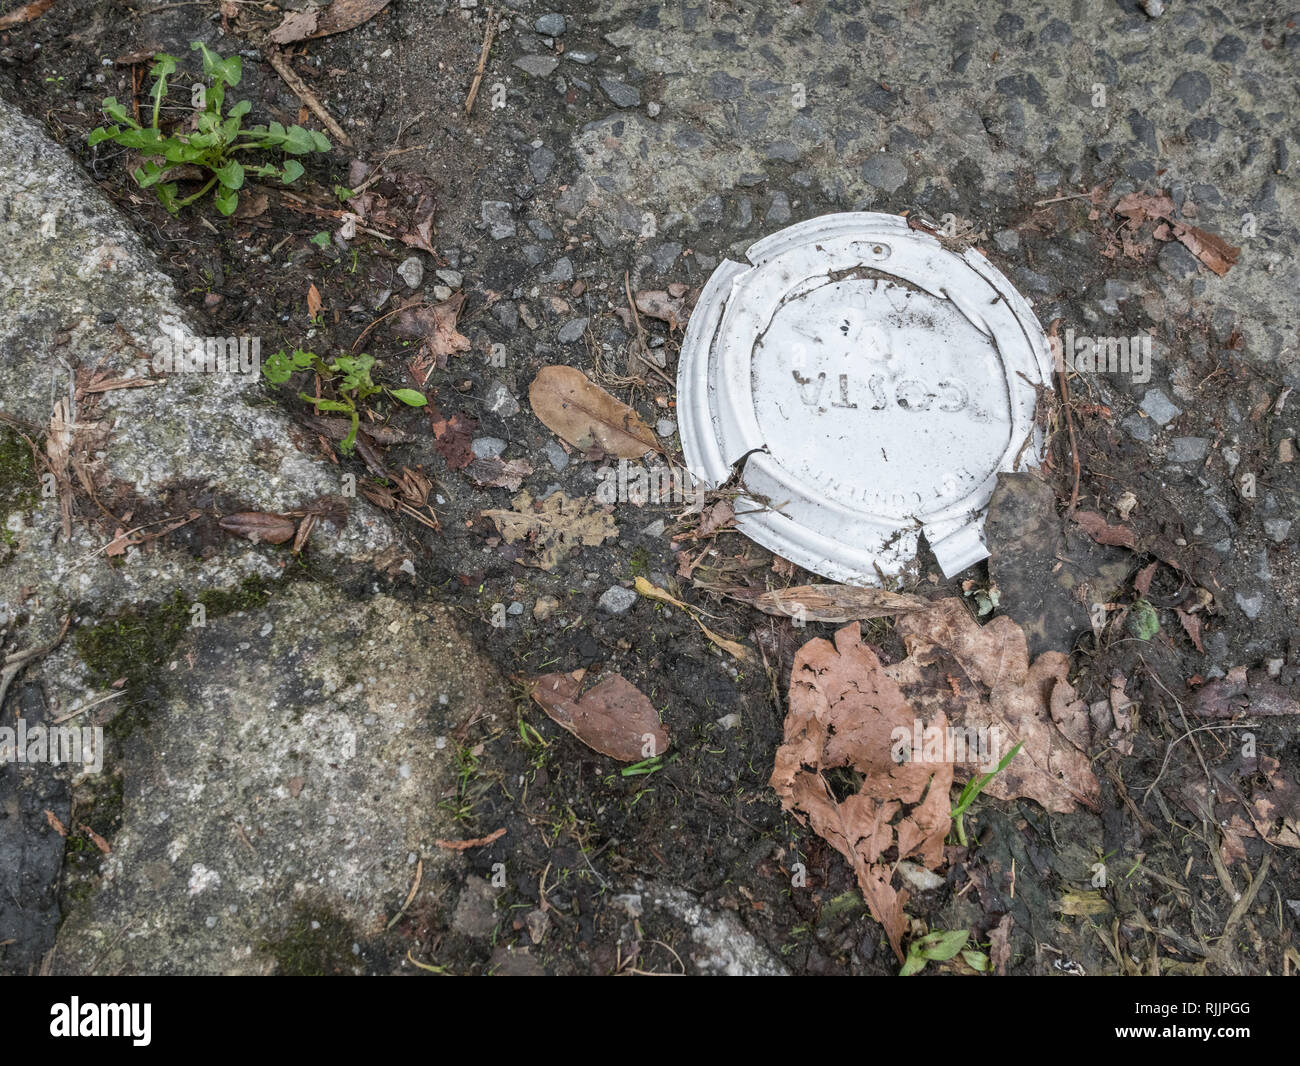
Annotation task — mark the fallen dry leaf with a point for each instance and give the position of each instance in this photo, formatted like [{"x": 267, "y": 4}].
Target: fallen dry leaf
[
  {"x": 259, "y": 526},
  {"x": 664, "y": 306},
  {"x": 1113, "y": 718},
  {"x": 1213, "y": 251},
  {"x": 1103, "y": 532},
  {"x": 1078, "y": 904},
  {"x": 1142, "y": 582},
  {"x": 313, "y": 301},
  {"x": 613, "y": 717},
  {"x": 434, "y": 325},
  {"x": 716, "y": 516},
  {"x": 1137, "y": 207},
  {"x": 453, "y": 437},
  {"x": 297, "y": 26},
  {"x": 304, "y": 533},
  {"x": 26, "y": 13},
  {"x": 495, "y": 472},
  {"x": 654, "y": 592},
  {"x": 401, "y": 202},
  {"x": 55, "y": 824},
  {"x": 96, "y": 839},
  {"x": 340, "y": 16},
  {"x": 844, "y": 710},
  {"x": 344, "y": 15},
  {"x": 556, "y": 526},
  {"x": 120, "y": 542},
  {"x": 584, "y": 414},
  {"x": 1252, "y": 797},
  {"x": 1237, "y": 694},
  {"x": 252, "y": 205},
  {"x": 1191, "y": 624},
  {"x": 1000, "y": 944},
  {"x": 982, "y": 677},
  {"x": 732, "y": 647},
  {"x": 408, "y": 494}
]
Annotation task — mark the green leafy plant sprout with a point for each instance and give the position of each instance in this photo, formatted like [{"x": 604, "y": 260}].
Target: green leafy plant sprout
[
  {"x": 348, "y": 375},
  {"x": 214, "y": 145},
  {"x": 1143, "y": 622},
  {"x": 469, "y": 788},
  {"x": 933, "y": 947},
  {"x": 530, "y": 737},
  {"x": 644, "y": 767},
  {"x": 973, "y": 788}
]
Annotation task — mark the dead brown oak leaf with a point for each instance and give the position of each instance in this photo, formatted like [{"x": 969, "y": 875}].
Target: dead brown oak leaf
[
  {"x": 1000, "y": 944},
  {"x": 1137, "y": 207},
  {"x": 582, "y": 413},
  {"x": 997, "y": 687},
  {"x": 555, "y": 526},
  {"x": 613, "y": 717},
  {"x": 844, "y": 710}
]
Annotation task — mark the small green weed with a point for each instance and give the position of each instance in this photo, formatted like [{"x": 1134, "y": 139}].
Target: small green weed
[
  {"x": 940, "y": 947},
  {"x": 973, "y": 788},
  {"x": 213, "y": 146},
  {"x": 348, "y": 376}
]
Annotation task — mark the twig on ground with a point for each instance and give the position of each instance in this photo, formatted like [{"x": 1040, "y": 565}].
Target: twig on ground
[
  {"x": 643, "y": 348},
  {"x": 488, "y": 33},
  {"x": 14, "y": 663},
  {"x": 415, "y": 887},
  {"x": 277, "y": 60},
  {"x": 1069, "y": 424}
]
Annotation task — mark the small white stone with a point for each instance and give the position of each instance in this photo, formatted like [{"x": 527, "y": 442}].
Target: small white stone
[{"x": 411, "y": 271}]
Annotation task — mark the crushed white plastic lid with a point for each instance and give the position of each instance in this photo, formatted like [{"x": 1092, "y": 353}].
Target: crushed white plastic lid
[{"x": 863, "y": 384}]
